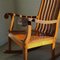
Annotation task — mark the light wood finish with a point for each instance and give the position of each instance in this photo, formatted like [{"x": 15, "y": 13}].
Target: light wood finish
[
  {"x": 39, "y": 13},
  {"x": 44, "y": 21},
  {"x": 48, "y": 18},
  {"x": 12, "y": 22}
]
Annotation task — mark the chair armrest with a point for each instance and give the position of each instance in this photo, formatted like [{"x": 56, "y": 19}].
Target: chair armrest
[
  {"x": 43, "y": 21},
  {"x": 6, "y": 16},
  {"x": 18, "y": 15}
]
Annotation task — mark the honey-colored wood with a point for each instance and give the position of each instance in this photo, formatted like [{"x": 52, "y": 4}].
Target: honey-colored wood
[
  {"x": 58, "y": 18},
  {"x": 39, "y": 13},
  {"x": 45, "y": 21},
  {"x": 25, "y": 51},
  {"x": 12, "y": 22},
  {"x": 28, "y": 40}
]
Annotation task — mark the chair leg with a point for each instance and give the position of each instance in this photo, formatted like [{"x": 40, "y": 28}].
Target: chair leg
[
  {"x": 25, "y": 53},
  {"x": 53, "y": 51},
  {"x": 10, "y": 50},
  {"x": 9, "y": 44}
]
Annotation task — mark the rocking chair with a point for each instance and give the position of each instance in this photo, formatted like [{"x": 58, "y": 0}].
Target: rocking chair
[{"x": 47, "y": 22}]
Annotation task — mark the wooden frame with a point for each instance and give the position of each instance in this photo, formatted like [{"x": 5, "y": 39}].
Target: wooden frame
[
  {"x": 29, "y": 35},
  {"x": 28, "y": 42}
]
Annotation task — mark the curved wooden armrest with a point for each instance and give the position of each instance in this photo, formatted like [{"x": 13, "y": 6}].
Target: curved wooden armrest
[
  {"x": 18, "y": 15},
  {"x": 6, "y": 16},
  {"x": 43, "y": 21}
]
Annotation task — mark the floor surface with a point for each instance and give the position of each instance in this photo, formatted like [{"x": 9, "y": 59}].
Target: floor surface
[{"x": 42, "y": 53}]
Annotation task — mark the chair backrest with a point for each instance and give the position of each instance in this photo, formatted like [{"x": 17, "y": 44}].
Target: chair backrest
[{"x": 48, "y": 11}]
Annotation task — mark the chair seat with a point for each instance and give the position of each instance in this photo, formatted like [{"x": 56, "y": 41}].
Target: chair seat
[
  {"x": 37, "y": 41},
  {"x": 34, "y": 41},
  {"x": 17, "y": 38}
]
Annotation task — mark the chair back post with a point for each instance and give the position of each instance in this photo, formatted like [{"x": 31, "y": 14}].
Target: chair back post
[{"x": 57, "y": 26}]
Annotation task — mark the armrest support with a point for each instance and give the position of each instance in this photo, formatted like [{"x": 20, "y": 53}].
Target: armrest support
[{"x": 28, "y": 36}]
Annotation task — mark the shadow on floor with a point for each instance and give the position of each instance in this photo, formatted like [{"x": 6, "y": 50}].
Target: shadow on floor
[{"x": 42, "y": 53}]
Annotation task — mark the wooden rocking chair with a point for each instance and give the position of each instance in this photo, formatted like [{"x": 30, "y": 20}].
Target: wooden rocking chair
[{"x": 47, "y": 22}]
